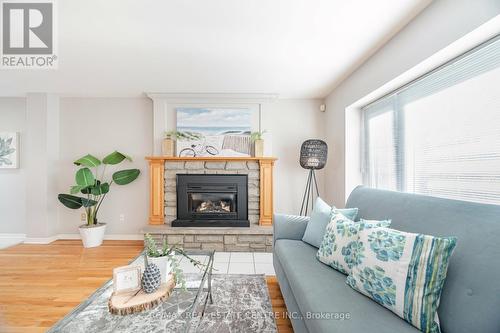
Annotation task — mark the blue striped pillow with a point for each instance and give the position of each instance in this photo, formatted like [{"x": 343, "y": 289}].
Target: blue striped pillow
[{"x": 403, "y": 272}]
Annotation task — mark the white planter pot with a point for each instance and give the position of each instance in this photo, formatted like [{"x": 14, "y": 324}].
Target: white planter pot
[
  {"x": 92, "y": 236},
  {"x": 163, "y": 264}
]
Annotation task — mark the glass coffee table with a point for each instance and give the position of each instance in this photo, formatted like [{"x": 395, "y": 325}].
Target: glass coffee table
[{"x": 181, "y": 312}]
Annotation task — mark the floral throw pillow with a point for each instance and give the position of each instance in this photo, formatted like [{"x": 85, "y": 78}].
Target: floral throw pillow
[
  {"x": 340, "y": 248},
  {"x": 403, "y": 272}
]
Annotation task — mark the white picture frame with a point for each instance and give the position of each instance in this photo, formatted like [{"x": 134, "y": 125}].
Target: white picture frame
[
  {"x": 126, "y": 279},
  {"x": 9, "y": 150}
]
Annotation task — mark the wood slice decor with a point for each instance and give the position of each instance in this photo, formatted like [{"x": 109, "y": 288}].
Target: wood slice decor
[{"x": 135, "y": 302}]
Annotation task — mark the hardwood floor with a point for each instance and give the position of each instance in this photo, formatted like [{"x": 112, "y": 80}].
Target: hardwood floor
[
  {"x": 40, "y": 284},
  {"x": 279, "y": 307}
]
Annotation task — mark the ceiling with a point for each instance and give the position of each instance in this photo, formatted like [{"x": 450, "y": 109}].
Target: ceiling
[{"x": 295, "y": 48}]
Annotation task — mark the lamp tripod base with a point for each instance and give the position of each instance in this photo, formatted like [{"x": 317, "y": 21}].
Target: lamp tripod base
[{"x": 308, "y": 198}]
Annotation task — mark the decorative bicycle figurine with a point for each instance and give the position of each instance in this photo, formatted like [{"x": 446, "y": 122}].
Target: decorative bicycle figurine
[{"x": 198, "y": 149}]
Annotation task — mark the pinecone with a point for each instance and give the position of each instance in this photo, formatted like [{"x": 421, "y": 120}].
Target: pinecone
[{"x": 151, "y": 279}]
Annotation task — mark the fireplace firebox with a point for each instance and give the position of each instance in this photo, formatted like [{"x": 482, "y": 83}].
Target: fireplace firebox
[{"x": 212, "y": 201}]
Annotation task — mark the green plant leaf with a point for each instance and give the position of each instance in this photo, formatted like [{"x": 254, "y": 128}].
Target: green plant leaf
[
  {"x": 84, "y": 177},
  {"x": 70, "y": 201},
  {"x": 100, "y": 189},
  {"x": 88, "y": 161},
  {"x": 88, "y": 202},
  {"x": 254, "y": 136},
  {"x": 125, "y": 177},
  {"x": 88, "y": 190},
  {"x": 77, "y": 188},
  {"x": 75, "y": 202},
  {"x": 115, "y": 158}
]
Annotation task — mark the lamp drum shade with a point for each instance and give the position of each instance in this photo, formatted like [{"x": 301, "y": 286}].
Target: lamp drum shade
[{"x": 313, "y": 154}]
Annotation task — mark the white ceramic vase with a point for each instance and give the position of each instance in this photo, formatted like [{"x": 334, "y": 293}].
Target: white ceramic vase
[
  {"x": 163, "y": 264},
  {"x": 92, "y": 236}
]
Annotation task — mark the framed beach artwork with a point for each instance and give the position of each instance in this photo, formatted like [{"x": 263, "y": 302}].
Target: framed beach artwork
[
  {"x": 9, "y": 150},
  {"x": 215, "y": 131}
]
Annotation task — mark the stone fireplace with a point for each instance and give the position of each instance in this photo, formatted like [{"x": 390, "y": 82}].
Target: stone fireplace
[
  {"x": 220, "y": 203},
  {"x": 163, "y": 171}
]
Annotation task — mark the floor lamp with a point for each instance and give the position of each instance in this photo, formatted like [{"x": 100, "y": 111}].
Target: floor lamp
[{"x": 313, "y": 154}]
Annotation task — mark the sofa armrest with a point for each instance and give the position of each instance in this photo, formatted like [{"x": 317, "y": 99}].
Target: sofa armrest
[{"x": 289, "y": 226}]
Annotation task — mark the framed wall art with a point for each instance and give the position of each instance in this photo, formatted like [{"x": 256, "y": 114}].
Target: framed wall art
[
  {"x": 214, "y": 131},
  {"x": 9, "y": 150}
]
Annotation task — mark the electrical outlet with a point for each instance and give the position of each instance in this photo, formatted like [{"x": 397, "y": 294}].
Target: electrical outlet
[
  {"x": 122, "y": 217},
  {"x": 83, "y": 217}
]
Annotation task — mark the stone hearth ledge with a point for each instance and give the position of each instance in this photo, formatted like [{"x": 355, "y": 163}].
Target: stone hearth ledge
[{"x": 252, "y": 239}]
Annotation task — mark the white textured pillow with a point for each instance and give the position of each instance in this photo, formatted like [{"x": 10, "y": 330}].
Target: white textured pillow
[
  {"x": 338, "y": 248},
  {"x": 403, "y": 272}
]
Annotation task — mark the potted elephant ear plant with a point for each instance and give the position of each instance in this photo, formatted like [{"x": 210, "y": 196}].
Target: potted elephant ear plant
[{"x": 93, "y": 184}]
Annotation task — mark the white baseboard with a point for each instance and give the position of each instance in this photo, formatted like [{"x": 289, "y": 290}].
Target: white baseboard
[
  {"x": 40, "y": 240},
  {"x": 106, "y": 237},
  {"x": 68, "y": 236},
  {"x": 7, "y": 240}
]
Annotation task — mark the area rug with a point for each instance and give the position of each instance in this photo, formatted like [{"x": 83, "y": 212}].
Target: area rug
[{"x": 241, "y": 304}]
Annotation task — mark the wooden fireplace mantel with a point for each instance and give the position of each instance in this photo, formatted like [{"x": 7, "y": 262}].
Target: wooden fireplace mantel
[{"x": 157, "y": 184}]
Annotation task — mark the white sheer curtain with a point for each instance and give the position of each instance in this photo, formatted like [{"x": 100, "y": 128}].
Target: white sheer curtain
[{"x": 440, "y": 135}]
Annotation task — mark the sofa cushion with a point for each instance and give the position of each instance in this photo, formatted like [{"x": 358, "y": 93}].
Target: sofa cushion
[
  {"x": 338, "y": 248},
  {"x": 320, "y": 290},
  {"x": 405, "y": 272},
  {"x": 470, "y": 301},
  {"x": 320, "y": 217}
]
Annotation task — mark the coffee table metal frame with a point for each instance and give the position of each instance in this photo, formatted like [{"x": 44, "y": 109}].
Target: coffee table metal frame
[{"x": 207, "y": 277}]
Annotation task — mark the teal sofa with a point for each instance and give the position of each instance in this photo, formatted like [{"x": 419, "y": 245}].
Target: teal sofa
[{"x": 319, "y": 300}]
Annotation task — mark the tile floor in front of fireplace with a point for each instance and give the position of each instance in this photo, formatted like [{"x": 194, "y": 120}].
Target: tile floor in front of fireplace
[{"x": 236, "y": 263}]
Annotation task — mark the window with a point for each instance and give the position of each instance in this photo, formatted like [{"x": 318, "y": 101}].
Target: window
[{"x": 440, "y": 135}]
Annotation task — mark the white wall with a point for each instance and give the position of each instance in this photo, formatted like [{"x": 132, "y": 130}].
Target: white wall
[
  {"x": 291, "y": 122},
  {"x": 99, "y": 126},
  {"x": 440, "y": 24},
  {"x": 41, "y": 148},
  {"x": 13, "y": 181}
]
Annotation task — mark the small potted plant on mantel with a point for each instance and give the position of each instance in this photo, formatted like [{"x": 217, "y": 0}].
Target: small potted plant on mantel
[
  {"x": 95, "y": 186},
  {"x": 258, "y": 141},
  {"x": 172, "y": 136}
]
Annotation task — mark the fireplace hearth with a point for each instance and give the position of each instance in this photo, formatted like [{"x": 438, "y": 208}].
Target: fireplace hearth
[{"x": 212, "y": 201}]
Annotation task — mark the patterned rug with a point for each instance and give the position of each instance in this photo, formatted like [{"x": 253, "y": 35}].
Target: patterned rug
[{"x": 241, "y": 304}]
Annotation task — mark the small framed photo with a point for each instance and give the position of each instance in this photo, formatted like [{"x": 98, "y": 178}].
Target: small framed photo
[{"x": 126, "y": 279}]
